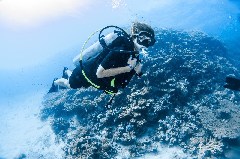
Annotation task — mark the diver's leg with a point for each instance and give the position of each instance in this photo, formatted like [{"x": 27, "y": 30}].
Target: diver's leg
[
  {"x": 68, "y": 73},
  {"x": 62, "y": 82}
]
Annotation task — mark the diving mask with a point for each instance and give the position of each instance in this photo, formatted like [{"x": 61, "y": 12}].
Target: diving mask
[{"x": 145, "y": 38}]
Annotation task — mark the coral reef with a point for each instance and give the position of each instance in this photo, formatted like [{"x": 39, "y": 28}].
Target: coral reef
[
  {"x": 223, "y": 122},
  {"x": 179, "y": 101}
]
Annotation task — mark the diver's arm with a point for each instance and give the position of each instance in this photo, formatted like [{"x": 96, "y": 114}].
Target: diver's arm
[{"x": 101, "y": 72}]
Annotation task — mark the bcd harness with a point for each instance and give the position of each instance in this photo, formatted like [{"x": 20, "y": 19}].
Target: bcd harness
[{"x": 104, "y": 45}]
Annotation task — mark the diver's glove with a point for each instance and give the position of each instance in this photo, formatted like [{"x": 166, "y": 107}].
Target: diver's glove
[
  {"x": 232, "y": 83},
  {"x": 138, "y": 69},
  {"x": 143, "y": 54}
]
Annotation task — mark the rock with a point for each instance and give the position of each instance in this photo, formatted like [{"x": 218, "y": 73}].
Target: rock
[{"x": 179, "y": 101}]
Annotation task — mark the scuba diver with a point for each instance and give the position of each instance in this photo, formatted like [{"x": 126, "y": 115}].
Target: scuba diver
[
  {"x": 232, "y": 83},
  {"x": 111, "y": 62}
]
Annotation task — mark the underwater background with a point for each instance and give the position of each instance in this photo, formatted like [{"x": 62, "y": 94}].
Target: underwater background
[{"x": 178, "y": 109}]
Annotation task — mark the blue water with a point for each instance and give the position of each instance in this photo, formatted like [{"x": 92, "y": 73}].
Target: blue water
[{"x": 23, "y": 88}]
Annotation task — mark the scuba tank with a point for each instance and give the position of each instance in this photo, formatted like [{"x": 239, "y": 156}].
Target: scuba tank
[
  {"x": 94, "y": 50},
  {"x": 103, "y": 42}
]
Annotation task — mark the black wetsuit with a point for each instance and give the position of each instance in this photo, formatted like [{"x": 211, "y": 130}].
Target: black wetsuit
[{"x": 107, "y": 59}]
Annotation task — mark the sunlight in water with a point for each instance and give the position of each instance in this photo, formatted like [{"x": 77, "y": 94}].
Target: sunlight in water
[
  {"x": 29, "y": 13},
  {"x": 118, "y": 3}
]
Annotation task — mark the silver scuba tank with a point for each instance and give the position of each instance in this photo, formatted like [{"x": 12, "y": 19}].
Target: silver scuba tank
[{"x": 94, "y": 50}]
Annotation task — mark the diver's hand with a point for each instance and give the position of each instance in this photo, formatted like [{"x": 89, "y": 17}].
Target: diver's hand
[
  {"x": 132, "y": 62},
  {"x": 138, "y": 68}
]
